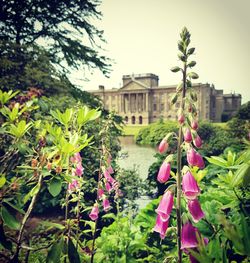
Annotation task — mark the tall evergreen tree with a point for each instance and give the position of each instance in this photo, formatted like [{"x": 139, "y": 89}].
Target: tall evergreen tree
[{"x": 65, "y": 27}]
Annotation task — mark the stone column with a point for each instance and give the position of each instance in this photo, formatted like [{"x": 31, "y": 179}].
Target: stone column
[
  {"x": 136, "y": 102},
  {"x": 147, "y": 108}
]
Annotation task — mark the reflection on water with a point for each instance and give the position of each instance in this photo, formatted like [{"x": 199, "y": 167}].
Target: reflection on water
[{"x": 140, "y": 156}]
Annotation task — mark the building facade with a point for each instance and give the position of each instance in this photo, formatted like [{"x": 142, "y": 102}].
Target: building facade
[{"x": 141, "y": 100}]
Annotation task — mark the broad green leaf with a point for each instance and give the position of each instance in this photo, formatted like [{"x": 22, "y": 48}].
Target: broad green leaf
[
  {"x": 55, "y": 251},
  {"x": 6, "y": 96},
  {"x": 217, "y": 161},
  {"x": 9, "y": 219},
  {"x": 34, "y": 190},
  {"x": 20, "y": 210},
  {"x": 55, "y": 187},
  {"x": 73, "y": 253},
  {"x": 242, "y": 175}
]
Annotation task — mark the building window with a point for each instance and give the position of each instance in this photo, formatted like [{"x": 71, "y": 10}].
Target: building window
[
  {"x": 155, "y": 107},
  {"x": 140, "y": 119},
  {"x": 133, "y": 120}
]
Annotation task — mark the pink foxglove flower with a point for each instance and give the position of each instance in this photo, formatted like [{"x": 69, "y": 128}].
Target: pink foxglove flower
[
  {"x": 190, "y": 187},
  {"x": 194, "y": 208},
  {"x": 110, "y": 170},
  {"x": 199, "y": 161},
  {"x": 73, "y": 185},
  {"x": 94, "y": 212},
  {"x": 164, "y": 172},
  {"x": 106, "y": 204},
  {"x": 181, "y": 119},
  {"x": 194, "y": 125},
  {"x": 108, "y": 177},
  {"x": 76, "y": 158},
  {"x": 188, "y": 236},
  {"x": 163, "y": 146},
  {"x": 165, "y": 206},
  {"x": 188, "y": 135},
  {"x": 197, "y": 141},
  {"x": 108, "y": 187},
  {"x": 191, "y": 157},
  {"x": 79, "y": 169},
  {"x": 100, "y": 192},
  {"x": 161, "y": 227}
]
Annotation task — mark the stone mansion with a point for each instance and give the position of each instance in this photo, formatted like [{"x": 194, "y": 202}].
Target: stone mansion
[{"x": 141, "y": 100}]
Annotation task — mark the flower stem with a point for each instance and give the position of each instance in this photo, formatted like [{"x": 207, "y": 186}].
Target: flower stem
[
  {"x": 179, "y": 165},
  {"x": 25, "y": 218}
]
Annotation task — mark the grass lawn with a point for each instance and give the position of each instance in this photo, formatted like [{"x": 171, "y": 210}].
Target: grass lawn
[{"x": 132, "y": 130}]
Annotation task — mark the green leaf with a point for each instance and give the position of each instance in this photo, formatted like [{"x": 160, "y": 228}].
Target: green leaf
[
  {"x": 73, "y": 253},
  {"x": 55, "y": 251},
  {"x": 242, "y": 175},
  {"x": 9, "y": 219},
  {"x": 2, "y": 180},
  {"x": 20, "y": 210},
  {"x": 34, "y": 190},
  {"x": 55, "y": 187},
  {"x": 217, "y": 161}
]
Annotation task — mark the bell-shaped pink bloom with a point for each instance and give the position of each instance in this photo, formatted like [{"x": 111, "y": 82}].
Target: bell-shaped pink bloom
[
  {"x": 108, "y": 177},
  {"x": 188, "y": 135},
  {"x": 100, "y": 193},
  {"x": 199, "y": 161},
  {"x": 194, "y": 125},
  {"x": 190, "y": 187},
  {"x": 73, "y": 185},
  {"x": 110, "y": 170},
  {"x": 191, "y": 157},
  {"x": 161, "y": 227},
  {"x": 188, "y": 236},
  {"x": 197, "y": 141},
  {"x": 106, "y": 204},
  {"x": 76, "y": 158},
  {"x": 165, "y": 206},
  {"x": 163, "y": 146},
  {"x": 181, "y": 119},
  {"x": 108, "y": 187},
  {"x": 94, "y": 212},
  {"x": 164, "y": 172},
  {"x": 79, "y": 169},
  {"x": 194, "y": 208},
  {"x": 193, "y": 259}
]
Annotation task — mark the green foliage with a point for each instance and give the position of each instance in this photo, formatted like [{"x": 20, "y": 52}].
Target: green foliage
[
  {"x": 240, "y": 125},
  {"x": 61, "y": 24},
  {"x": 131, "y": 186},
  {"x": 153, "y": 133}
]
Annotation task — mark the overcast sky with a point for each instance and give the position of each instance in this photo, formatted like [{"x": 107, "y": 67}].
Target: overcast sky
[{"x": 142, "y": 37}]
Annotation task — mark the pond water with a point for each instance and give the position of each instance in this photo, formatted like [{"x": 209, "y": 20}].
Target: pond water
[{"x": 140, "y": 156}]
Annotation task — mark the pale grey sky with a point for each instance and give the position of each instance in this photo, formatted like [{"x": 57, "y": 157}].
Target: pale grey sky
[{"x": 142, "y": 37}]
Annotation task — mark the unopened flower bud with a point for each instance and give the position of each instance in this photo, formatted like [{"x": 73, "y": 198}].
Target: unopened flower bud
[
  {"x": 187, "y": 135},
  {"x": 181, "y": 119},
  {"x": 194, "y": 125},
  {"x": 197, "y": 141}
]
